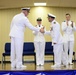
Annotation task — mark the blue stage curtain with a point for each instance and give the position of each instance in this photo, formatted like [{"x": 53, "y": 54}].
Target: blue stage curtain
[{"x": 55, "y": 72}]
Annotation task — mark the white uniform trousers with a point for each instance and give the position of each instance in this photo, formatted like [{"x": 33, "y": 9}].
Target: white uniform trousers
[
  {"x": 64, "y": 58},
  {"x": 69, "y": 46},
  {"x": 57, "y": 48},
  {"x": 40, "y": 49},
  {"x": 16, "y": 51}
]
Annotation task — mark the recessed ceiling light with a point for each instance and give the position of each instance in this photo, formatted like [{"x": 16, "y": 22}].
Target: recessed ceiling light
[{"x": 39, "y": 4}]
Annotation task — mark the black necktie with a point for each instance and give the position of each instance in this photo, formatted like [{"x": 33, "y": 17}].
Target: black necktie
[{"x": 39, "y": 25}]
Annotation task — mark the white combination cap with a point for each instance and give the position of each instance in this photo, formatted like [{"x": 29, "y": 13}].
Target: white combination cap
[
  {"x": 51, "y": 15},
  {"x": 25, "y": 8}
]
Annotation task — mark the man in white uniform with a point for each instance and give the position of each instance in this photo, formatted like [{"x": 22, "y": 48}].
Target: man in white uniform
[
  {"x": 39, "y": 43},
  {"x": 57, "y": 40},
  {"x": 68, "y": 27},
  {"x": 18, "y": 24}
]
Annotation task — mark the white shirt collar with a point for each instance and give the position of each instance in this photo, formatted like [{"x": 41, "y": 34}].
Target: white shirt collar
[
  {"x": 53, "y": 21},
  {"x": 40, "y": 25},
  {"x": 22, "y": 14}
]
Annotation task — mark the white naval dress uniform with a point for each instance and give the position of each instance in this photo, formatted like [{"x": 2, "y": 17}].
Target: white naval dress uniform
[
  {"x": 56, "y": 38},
  {"x": 39, "y": 43},
  {"x": 18, "y": 24},
  {"x": 68, "y": 37}
]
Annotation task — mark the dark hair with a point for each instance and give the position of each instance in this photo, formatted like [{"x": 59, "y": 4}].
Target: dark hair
[
  {"x": 68, "y": 14},
  {"x": 53, "y": 17}
]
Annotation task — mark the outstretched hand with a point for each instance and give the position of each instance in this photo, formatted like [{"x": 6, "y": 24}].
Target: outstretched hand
[{"x": 42, "y": 30}]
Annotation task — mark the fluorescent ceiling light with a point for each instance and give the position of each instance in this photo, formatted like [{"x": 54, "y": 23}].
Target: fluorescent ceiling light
[{"x": 39, "y": 4}]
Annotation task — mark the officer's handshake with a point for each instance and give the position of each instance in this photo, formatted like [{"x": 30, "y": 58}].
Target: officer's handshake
[{"x": 42, "y": 30}]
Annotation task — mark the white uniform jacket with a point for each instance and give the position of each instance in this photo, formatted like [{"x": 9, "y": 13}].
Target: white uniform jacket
[
  {"x": 68, "y": 31},
  {"x": 39, "y": 37},
  {"x": 55, "y": 32},
  {"x": 18, "y": 24}
]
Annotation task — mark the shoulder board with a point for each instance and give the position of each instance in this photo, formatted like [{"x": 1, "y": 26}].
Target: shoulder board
[
  {"x": 42, "y": 25},
  {"x": 71, "y": 21},
  {"x": 54, "y": 22}
]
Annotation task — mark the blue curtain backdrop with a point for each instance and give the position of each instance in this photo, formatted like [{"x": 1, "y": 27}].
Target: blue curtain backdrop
[{"x": 55, "y": 72}]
